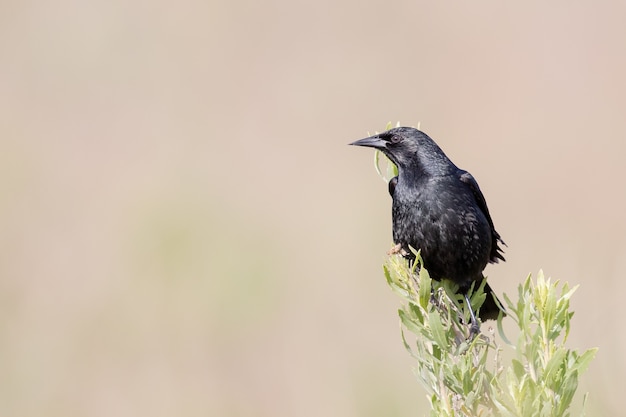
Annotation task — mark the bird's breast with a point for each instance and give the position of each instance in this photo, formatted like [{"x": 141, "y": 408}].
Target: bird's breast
[{"x": 443, "y": 221}]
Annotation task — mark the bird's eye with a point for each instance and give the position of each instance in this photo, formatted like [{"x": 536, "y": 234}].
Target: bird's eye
[{"x": 395, "y": 139}]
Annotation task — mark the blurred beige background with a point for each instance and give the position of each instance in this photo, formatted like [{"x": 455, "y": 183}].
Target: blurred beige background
[{"x": 184, "y": 231}]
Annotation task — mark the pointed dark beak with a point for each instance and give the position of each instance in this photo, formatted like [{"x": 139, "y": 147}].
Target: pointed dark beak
[{"x": 371, "y": 142}]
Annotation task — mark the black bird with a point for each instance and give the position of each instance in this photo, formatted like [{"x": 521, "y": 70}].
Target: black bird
[{"x": 439, "y": 209}]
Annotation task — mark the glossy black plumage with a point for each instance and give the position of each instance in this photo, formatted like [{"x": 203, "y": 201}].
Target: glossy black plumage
[{"x": 439, "y": 209}]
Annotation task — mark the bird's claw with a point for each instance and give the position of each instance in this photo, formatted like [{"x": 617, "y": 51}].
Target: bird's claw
[{"x": 474, "y": 331}]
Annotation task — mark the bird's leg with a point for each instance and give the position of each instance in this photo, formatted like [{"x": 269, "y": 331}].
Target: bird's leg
[{"x": 475, "y": 327}]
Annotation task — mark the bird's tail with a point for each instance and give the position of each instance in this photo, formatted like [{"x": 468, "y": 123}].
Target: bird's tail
[{"x": 490, "y": 310}]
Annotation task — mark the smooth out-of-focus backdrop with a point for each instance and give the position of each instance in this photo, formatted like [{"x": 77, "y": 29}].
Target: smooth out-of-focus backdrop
[{"x": 184, "y": 232}]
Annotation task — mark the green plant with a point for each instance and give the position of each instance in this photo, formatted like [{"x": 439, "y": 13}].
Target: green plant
[
  {"x": 470, "y": 377},
  {"x": 466, "y": 377}
]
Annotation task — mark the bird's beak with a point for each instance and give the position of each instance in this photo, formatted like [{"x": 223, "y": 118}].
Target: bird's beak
[{"x": 371, "y": 142}]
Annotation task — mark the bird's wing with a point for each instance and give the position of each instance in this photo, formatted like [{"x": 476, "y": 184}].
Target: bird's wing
[
  {"x": 392, "y": 185},
  {"x": 470, "y": 182}
]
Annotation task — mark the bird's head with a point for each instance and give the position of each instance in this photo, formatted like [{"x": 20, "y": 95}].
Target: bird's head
[{"x": 409, "y": 149}]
